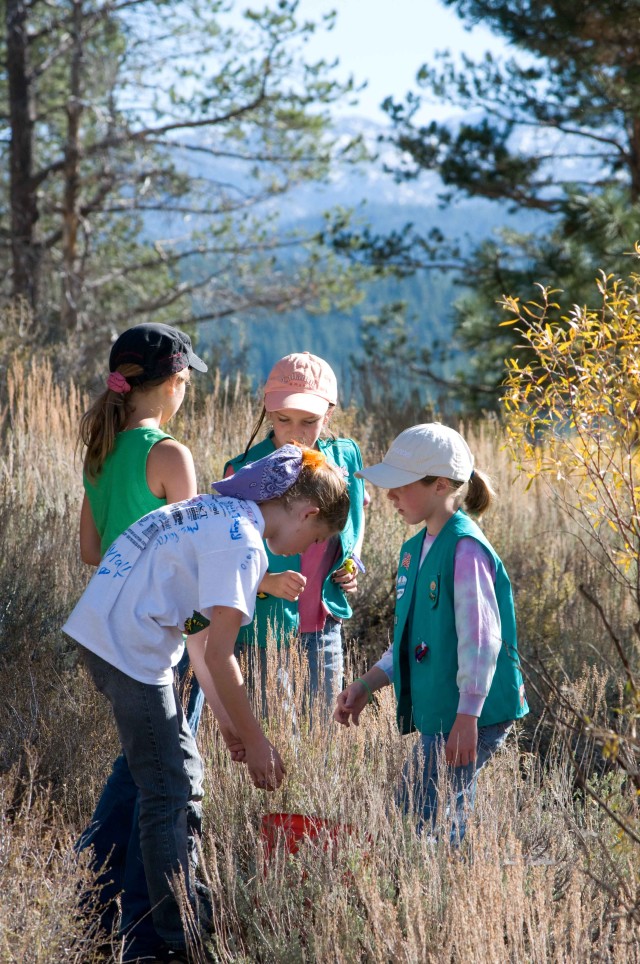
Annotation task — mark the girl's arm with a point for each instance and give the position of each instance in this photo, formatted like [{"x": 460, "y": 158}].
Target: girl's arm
[
  {"x": 348, "y": 579},
  {"x": 354, "y": 698},
  {"x": 283, "y": 585},
  {"x": 196, "y": 645},
  {"x": 89, "y": 537},
  {"x": 479, "y": 640},
  {"x": 216, "y": 667},
  {"x": 171, "y": 473}
]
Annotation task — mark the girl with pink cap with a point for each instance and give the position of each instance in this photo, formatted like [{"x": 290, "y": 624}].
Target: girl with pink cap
[{"x": 306, "y": 595}]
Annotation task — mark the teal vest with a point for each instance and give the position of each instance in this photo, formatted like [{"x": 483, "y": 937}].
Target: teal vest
[
  {"x": 120, "y": 495},
  {"x": 426, "y": 688},
  {"x": 280, "y": 614}
]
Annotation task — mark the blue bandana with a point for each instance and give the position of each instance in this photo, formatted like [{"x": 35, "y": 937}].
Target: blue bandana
[{"x": 266, "y": 479}]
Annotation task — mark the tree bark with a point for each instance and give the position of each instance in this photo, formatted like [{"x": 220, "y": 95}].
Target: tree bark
[
  {"x": 71, "y": 286},
  {"x": 25, "y": 251}
]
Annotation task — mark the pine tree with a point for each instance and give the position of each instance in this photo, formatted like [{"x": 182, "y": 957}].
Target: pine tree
[
  {"x": 555, "y": 130},
  {"x": 150, "y": 142}
]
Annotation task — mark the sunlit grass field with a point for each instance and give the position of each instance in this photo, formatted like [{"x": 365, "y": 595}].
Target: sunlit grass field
[{"x": 526, "y": 886}]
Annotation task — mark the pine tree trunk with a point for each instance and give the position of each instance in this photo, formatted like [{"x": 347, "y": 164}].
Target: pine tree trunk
[
  {"x": 71, "y": 287},
  {"x": 25, "y": 251}
]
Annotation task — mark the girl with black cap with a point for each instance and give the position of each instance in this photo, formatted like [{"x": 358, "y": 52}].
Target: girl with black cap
[{"x": 132, "y": 466}]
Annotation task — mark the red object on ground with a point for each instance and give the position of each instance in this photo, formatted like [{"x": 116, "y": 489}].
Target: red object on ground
[{"x": 295, "y": 828}]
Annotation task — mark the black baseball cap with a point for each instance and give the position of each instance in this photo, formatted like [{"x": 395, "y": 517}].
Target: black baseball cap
[{"x": 160, "y": 349}]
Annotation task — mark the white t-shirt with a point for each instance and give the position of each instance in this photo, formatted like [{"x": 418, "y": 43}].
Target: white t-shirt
[{"x": 164, "y": 570}]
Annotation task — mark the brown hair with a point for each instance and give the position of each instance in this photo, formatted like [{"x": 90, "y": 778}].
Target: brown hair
[
  {"x": 106, "y": 417},
  {"x": 322, "y": 484},
  {"x": 477, "y": 497}
]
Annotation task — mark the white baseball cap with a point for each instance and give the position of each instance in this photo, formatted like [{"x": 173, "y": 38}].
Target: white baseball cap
[{"x": 420, "y": 451}]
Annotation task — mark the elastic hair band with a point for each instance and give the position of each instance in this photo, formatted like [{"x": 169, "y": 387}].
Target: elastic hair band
[
  {"x": 312, "y": 459},
  {"x": 473, "y": 472},
  {"x": 118, "y": 383}
]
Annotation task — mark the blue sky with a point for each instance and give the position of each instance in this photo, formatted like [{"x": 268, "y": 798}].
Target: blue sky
[{"x": 386, "y": 42}]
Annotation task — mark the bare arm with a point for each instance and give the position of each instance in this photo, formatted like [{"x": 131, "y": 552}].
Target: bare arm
[
  {"x": 354, "y": 698},
  {"x": 213, "y": 652},
  {"x": 196, "y": 646},
  {"x": 89, "y": 536},
  {"x": 171, "y": 474}
]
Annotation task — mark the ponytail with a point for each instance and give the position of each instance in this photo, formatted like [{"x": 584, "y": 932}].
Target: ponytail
[
  {"x": 478, "y": 494},
  {"x": 108, "y": 416},
  {"x": 256, "y": 429}
]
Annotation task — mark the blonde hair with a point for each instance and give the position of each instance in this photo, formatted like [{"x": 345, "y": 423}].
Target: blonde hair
[
  {"x": 477, "y": 497},
  {"x": 107, "y": 417},
  {"x": 322, "y": 484}
]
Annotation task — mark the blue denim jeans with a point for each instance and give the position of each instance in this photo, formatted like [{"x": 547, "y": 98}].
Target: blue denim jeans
[
  {"x": 323, "y": 653},
  {"x": 420, "y": 776},
  {"x": 149, "y": 814},
  {"x": 326, "y": 661}
]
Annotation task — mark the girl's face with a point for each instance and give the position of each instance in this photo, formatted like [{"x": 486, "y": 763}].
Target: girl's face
[
  {"x": 295, "y": 529},
  {"x": 294, "y": 425},
  {"x": 177, "y": 388},
  {"x": 416, "y": 502}
]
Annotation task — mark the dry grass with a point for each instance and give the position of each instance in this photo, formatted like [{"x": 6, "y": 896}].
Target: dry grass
[{"x": 528, "y": 884}]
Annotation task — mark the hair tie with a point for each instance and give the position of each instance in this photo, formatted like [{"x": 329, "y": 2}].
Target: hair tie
[
  {"x": 473, "y": 472},
  {"x": 312, "y": 458},
  {"x": 118, "y": 383}
]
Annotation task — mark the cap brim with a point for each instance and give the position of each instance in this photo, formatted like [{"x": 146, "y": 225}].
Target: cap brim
[
  {"x": 302, "y": 401},
  {"x": 388, "y": 476},
  {"x": 197, "y": 363}
]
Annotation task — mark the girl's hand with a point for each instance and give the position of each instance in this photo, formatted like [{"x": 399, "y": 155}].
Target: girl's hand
[
  {"x": 350, "y": 703},
  {"x": 284, "y": 585},
  {"x": 235, "y": 745},
  {"x": 265, "y": 765},
  {"x": 346, "y": 579},
  {"x": 462, "y": 744}
]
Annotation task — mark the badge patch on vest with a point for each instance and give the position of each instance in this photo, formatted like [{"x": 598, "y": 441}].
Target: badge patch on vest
[
  {"x": 406, "y": 561},
  {"x": 195, "y": 623},
  {"x": 421, "y": 651},
  {"x": 434, "y": 591},
  {"x": 401, "y": 584}
]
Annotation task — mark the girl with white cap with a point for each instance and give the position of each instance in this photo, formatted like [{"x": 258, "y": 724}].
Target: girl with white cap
[
  {"x": 454, "y": 658},
  {"x": 306, "y": 595}
]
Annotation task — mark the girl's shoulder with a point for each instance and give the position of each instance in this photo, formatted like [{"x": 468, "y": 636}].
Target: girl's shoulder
[
  {"x": 257, "y": 451},
  {"x": 347, "y": 448}
]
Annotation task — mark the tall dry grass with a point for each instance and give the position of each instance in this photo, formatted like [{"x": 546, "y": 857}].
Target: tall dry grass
[{"x": 527, "y": 885}]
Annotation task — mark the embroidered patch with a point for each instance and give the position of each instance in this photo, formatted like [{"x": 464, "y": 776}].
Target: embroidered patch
[
  {"x": 523, "y": 698},
  {"x": 406, "y": 561},
  {"x": 421, "y": 651},
  {"x": 263, "y": 595},
  {"x": 401, "y": 583},
  {"x": 195, "y": 623}
]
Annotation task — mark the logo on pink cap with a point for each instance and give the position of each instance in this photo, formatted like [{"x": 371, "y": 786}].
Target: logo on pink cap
[{"x": 302, "y": 381}]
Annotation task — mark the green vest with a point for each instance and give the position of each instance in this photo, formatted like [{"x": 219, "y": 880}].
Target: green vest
[
  {"x": 280, "y": 614},
  {"x": 426, "y": 690},
  {"x": 120, "y": 495}
]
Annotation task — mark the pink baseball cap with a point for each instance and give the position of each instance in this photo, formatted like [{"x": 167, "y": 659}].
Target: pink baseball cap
[{"x": 301, "y": 381}]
